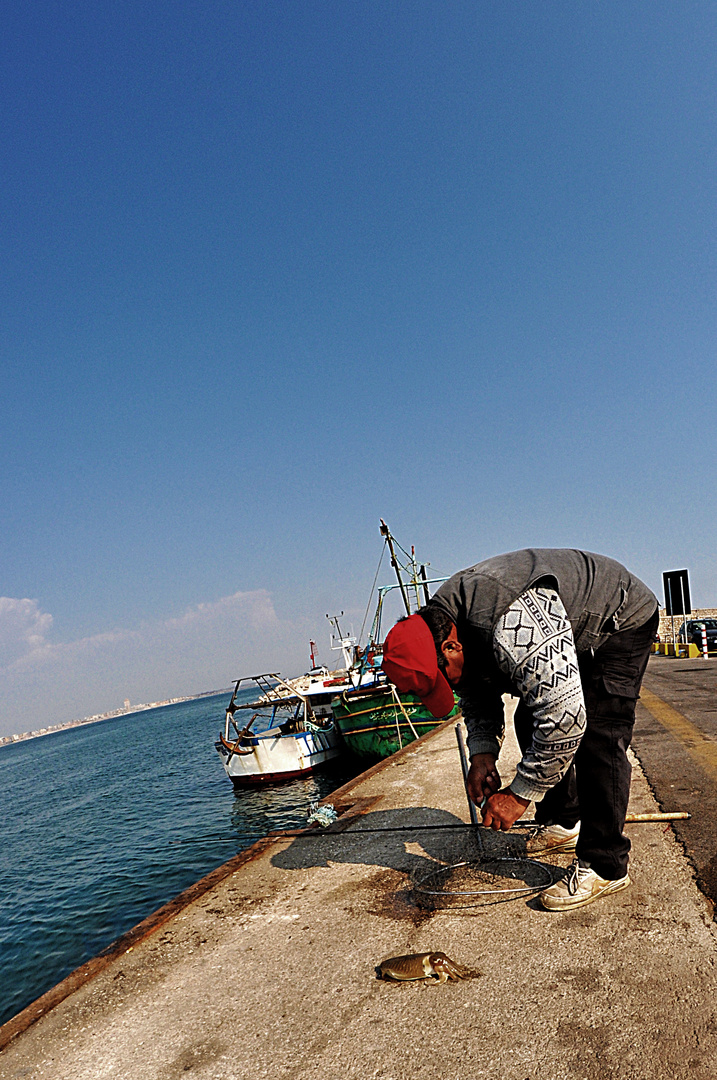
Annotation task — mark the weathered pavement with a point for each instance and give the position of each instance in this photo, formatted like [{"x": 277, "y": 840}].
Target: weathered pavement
[
  {"x": 271, "y": 971},
  {"x": 676, "y": 741}
]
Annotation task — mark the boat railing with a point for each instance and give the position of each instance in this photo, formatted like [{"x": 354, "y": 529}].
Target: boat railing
[
  {"x": 384, "y": 590},
  {"x": 275, "y": 693},
  {"x": 367, "y": 656}
]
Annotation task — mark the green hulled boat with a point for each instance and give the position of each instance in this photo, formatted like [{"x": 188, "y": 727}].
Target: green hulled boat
[
  {"x": 373, "y": 718},
  {"x": 376, "y": 721}
]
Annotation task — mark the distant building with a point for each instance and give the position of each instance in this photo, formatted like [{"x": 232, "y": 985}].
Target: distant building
[{"x": 126, "y": 703}]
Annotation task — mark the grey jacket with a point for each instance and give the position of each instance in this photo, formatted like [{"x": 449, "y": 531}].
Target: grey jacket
[{"x": 601, "y": 597}]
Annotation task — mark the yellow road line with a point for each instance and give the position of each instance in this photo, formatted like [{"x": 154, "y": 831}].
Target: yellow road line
[{"x": 699, "y": 746}]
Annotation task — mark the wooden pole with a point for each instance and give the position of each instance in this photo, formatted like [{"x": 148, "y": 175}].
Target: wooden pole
[{"x": 678, "y": 815}]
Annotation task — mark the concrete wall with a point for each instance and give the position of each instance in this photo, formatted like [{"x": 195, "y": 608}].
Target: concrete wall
[{"x": 665, "y": 628}]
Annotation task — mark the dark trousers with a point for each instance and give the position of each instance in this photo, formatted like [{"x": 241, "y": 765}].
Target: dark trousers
[{"x": 596, "y": 788}]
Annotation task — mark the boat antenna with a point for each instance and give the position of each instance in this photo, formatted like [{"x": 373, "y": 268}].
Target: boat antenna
[
  {"x": 424, "y": 582},
  {"x": 395, "y": 564},
  {"x": 414, "y": 576}
]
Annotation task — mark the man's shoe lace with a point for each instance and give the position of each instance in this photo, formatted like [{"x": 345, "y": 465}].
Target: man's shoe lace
[{"x": 576, "y": 875}]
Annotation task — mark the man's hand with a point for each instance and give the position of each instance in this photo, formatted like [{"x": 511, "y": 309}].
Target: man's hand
[
  {"x": 503, "y": 809},
  {"x": 483, "y": 779}
]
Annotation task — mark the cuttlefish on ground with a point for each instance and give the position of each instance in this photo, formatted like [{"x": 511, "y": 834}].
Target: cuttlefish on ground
[{"x": 428, "y": 966}]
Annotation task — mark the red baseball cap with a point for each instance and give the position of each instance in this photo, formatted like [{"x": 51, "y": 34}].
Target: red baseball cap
[{"x": 410, "y": 661}]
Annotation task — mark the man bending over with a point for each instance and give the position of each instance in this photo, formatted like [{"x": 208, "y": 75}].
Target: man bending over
[{"x": 569, "y": 633}]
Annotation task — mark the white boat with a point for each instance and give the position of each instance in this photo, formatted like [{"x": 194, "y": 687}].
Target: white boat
[{"x": 291, "y": 730}]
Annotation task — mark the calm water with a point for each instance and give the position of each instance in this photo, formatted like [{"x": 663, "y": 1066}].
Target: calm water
[{"x": 90, "y": 823}]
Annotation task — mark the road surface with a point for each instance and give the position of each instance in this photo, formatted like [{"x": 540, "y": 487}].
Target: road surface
[{"x": 676, "y": 742}]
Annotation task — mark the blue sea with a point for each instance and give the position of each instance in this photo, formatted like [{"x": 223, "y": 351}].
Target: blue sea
[{"x": 103, "y": 824}]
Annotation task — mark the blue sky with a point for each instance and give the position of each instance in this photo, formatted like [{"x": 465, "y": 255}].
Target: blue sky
[{"x": 271, "y": 271}]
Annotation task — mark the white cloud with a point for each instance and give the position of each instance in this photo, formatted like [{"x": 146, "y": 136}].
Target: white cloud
[
  {"x": 205, "y": 648},
  {"x": 22, "y": 629}
]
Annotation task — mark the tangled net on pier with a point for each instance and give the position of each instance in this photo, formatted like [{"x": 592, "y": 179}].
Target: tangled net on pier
[{"x": 483, "y": 882}]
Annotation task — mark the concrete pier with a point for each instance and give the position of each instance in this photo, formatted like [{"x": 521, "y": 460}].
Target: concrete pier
[{"x": 266, "y": 969}]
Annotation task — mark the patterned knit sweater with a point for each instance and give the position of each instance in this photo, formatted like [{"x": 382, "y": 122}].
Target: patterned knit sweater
[{"x": 533, "y": 646}]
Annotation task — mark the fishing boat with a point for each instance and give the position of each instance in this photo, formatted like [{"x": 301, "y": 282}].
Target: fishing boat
[
  {"x": 290, "y": 730},
  {"x": 377, "y": 722},
  {"x": 373, "y": 718}
]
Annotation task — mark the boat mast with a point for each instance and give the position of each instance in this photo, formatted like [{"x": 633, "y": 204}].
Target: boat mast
[
  {"x": 346, "y": 643},
  {"x": 395, "y": 564}
]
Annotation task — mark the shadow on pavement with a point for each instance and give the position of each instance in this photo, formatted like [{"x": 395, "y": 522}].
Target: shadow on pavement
[{"x": 425, "y": 843}]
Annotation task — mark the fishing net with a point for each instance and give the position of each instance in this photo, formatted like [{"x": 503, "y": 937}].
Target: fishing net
[{"x": 478, "y": 883}]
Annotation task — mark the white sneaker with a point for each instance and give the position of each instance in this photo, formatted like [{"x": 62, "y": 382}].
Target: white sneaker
[
  {"x": 581, "y": 886},
  {"x": 552, "y": 838}
]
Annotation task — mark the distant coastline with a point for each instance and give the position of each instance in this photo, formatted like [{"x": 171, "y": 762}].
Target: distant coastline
[{"x": 127, "y": 710}]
